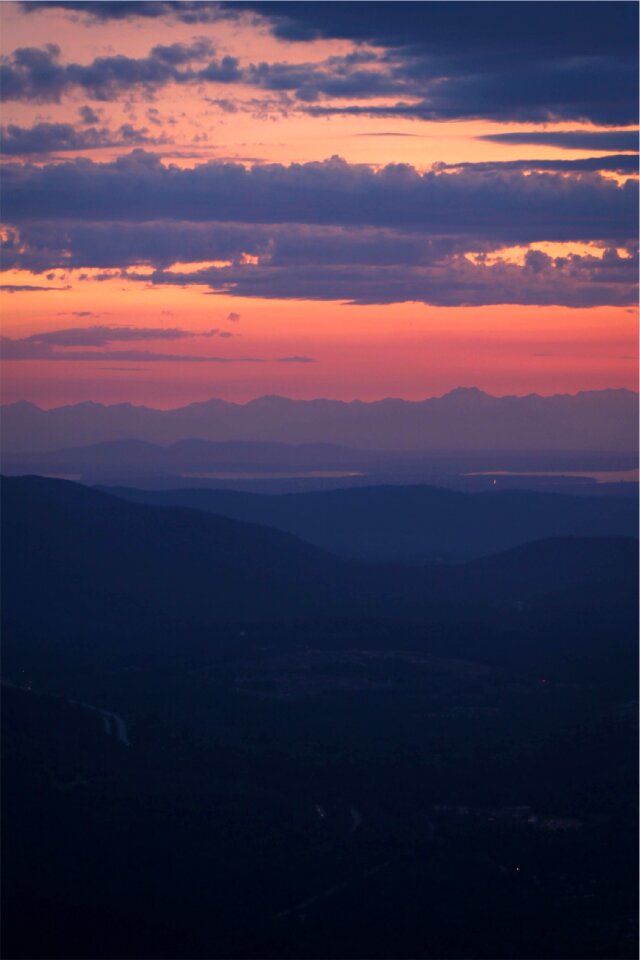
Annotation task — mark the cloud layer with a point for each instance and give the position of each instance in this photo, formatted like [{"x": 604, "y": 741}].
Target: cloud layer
[
  {"x": 332, "y": 230},
  {"x": 508, "y": 207},
  {"x": 499, "y": 61},
  {"x": 465, "y": 233}
]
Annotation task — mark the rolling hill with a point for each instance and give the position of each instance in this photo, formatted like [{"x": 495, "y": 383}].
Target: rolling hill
[
  {"x": 411, "y": 523},
  {"x": 87, "y": 570}
]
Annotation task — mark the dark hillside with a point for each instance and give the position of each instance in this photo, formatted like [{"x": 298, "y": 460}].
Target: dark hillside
[
  {"x": 84, "y": 568},
  {"x": 412, "y": 523}
]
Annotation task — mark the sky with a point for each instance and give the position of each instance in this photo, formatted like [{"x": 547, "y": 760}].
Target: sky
[{"x": 345, "y": 200}]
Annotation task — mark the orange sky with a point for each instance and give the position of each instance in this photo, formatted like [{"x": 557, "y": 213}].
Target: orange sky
[{"x": 408, "y": 349}]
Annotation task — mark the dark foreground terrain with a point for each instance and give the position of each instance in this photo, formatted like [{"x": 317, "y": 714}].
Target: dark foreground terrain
[
  {"x": 410, "y": 524},
  {"x": 220, "y": 741}
]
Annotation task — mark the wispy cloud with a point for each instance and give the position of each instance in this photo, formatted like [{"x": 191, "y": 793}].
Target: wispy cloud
[
  {"x": 619, "y": 140},
  {"x": 623, "y": 163},
  {"x": 63, "y": 344},
  {"x": 29, "y": 288},
  {"x": 100, "y": 336}
]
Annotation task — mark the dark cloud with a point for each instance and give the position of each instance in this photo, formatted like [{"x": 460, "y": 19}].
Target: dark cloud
[
  {"x": 181, "y": 54},
  {"x": 226, "y": 70},
  {"x": 434, "y": 27},
  {"x": 508, "y": 207},
  {"x": 574, "y": 281},
  {"x": 45, "y": 138},
  {"x": 36, "y": 74},
  {"x": 384, "y": 266},
  {"x": 88, "y": 115},
  {"x": 608, "y": 27},
  {"x": 62, "y": 344},
  {"x": 100, "y": 336},
  {"x": 445, "y": 88},
  {"x": 28, "y": 288},
  {"x": 623, "y": 163},
  {"x": 617, "y": 140},
  {"x": 337, "y": 77},
  {"x": 186, "y": 11},
  {"x": 561, "y": 95},
  {"x": 10, "y": 350},
  {"x": 41, "y": 245},
  {"x": 233, "y": 317},
  {"x": 501, "y": 61},
  {"x": 387, "y": 269},
  {"x": 330, "y": 230}
]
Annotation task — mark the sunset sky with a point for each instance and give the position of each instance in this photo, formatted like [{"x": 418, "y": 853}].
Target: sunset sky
[{"x": 347, "y": 200}]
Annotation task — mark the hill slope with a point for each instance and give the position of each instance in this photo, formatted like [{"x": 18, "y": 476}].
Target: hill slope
[
  {"x": 414, "y": 523},
  {"x": 86, "y": 569}
]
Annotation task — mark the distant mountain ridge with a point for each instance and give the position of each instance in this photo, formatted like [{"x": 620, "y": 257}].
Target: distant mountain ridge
[
  {"x": 80, "y": 566},
  {"x": 410, "y": 524},
  {"x": 465, "y": 418}
]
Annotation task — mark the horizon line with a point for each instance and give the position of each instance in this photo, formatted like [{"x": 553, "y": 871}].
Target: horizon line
[{"x": 320, "y": 399}]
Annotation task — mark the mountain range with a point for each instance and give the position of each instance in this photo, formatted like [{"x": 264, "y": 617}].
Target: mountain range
[{"x": 464, "y": 419}]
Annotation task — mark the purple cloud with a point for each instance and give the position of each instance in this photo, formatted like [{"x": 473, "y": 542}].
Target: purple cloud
[
  {"x": 509, "y": 206},
  {"x": 498, "y": 61},
  {"x": 37, "y": 74},
  {"x": 100, "y": 336},
  {"x": 19, "y": 350},
  {"x": 45, "y": 138},
  {"x": 29, "y": 288}
]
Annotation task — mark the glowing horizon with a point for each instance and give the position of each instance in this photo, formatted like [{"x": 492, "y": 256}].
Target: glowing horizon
[{"x": 307, "y": 212}]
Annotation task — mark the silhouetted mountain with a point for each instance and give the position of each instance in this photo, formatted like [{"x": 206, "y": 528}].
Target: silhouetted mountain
[
  {"x": 464, "y": 419},
  {"x": 413, "y": 523},
  {"x": 81, "y": 568},
  {"x": 103, "y": 565}
]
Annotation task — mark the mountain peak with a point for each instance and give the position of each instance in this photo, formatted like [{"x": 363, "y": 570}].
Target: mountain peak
[
  {"x": 466, "y": 393},
  {"x": 21, "y": 406}
]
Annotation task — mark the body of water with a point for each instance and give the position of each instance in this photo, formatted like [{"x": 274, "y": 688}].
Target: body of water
[{"x": 600, "y": 476}]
